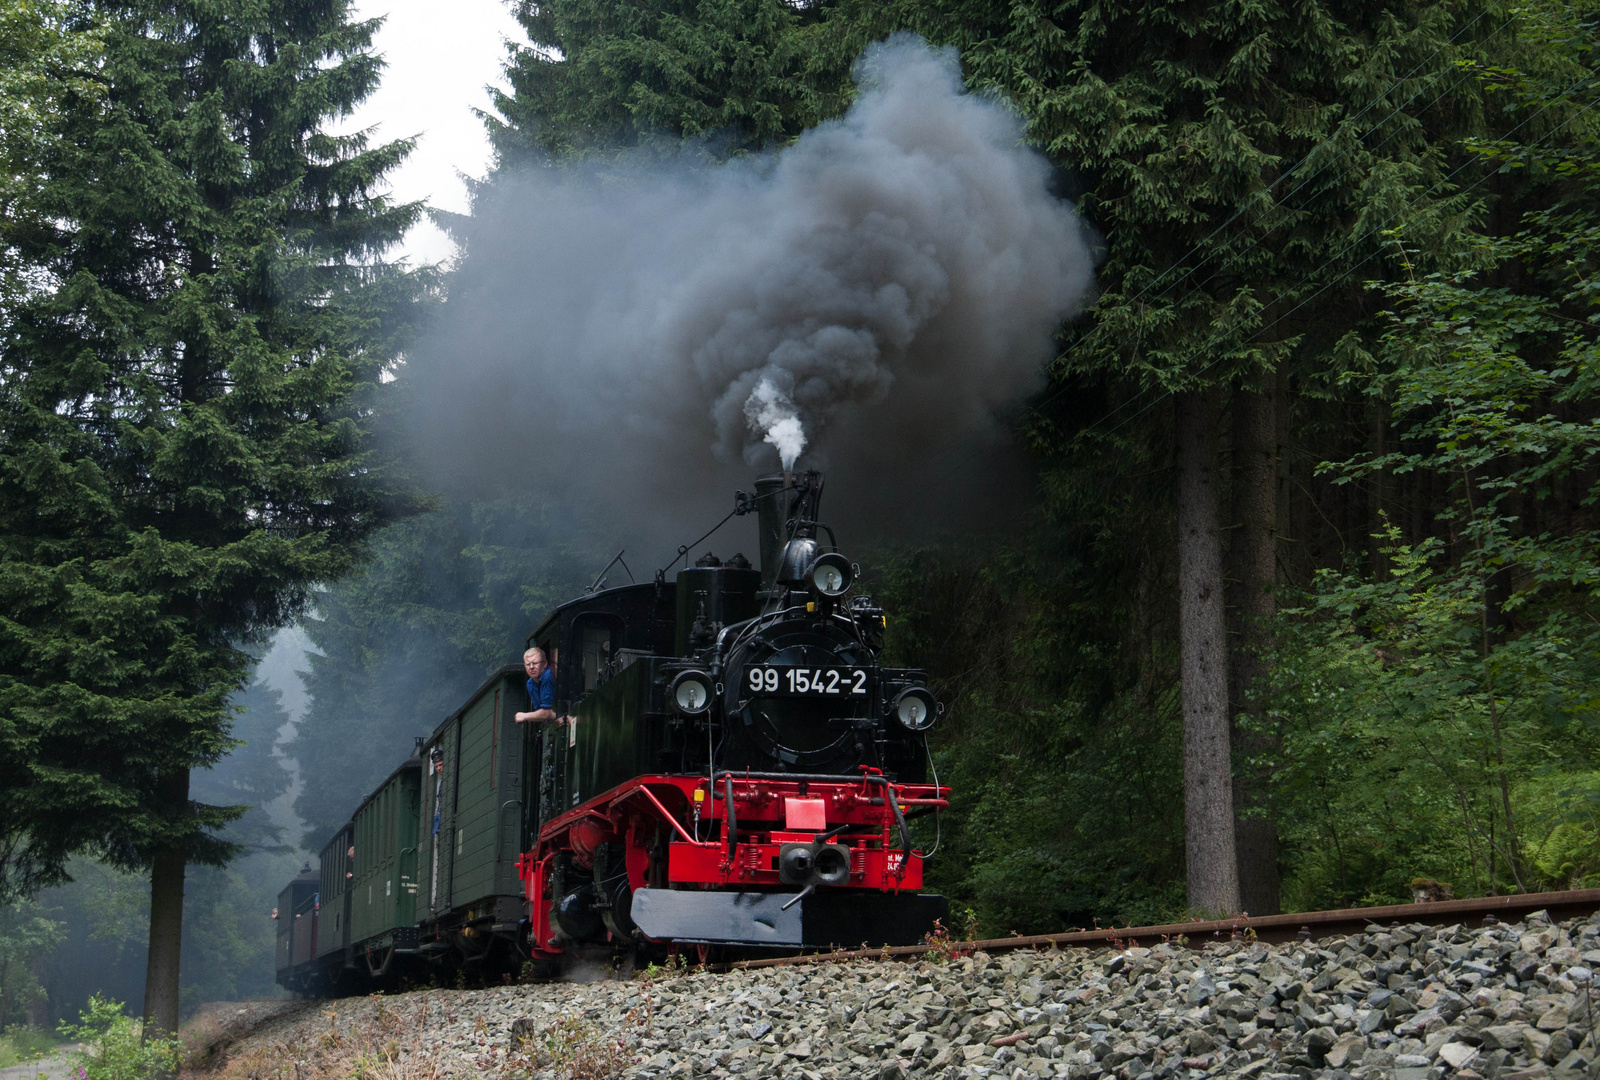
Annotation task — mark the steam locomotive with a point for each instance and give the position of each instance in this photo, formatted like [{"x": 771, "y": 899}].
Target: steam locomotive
[{"x": 735, "y": 773}]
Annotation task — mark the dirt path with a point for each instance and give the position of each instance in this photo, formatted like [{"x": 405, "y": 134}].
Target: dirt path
[{"x": 56, "y": 1066}]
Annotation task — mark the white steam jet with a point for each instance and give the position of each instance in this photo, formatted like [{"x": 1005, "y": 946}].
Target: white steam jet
[{"x": 774, "y": 417}]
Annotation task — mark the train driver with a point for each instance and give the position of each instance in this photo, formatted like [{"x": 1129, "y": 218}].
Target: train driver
[{"x": 541, "y": 689}]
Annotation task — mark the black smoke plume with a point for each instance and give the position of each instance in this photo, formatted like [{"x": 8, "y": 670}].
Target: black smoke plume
[{"x": 870, "y": 300}]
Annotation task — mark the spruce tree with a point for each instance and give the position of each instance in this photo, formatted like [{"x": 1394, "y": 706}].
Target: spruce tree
[
  {"x": 186, "y": 397},
  {"x": 47, "y": 52},
  {"x": 733, "y": 74}
]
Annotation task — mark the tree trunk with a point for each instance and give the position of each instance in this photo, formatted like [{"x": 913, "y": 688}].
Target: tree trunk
[
  {"x": 1288, "y": 537},
  {"x": 1207, "y": 780},
  {"x": 1252, "y": 574},
  {"x": 1378, "y": 496},
  {"x": 166, "y": 919}
]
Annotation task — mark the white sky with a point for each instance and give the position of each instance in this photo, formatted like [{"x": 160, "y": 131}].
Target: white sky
[{"x": 441, "y": 56}]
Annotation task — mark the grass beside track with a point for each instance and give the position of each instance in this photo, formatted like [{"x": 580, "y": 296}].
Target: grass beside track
[{"x": 21, "y": 1044}]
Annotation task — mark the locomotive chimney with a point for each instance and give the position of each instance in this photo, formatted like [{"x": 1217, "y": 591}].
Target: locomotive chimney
[{"x": 786, "y": 507}]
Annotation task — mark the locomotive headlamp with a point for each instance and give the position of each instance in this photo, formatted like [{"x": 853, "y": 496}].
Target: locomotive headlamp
[
  {"x": 691, "y": 692},
  {"x": 830, "y": 574},
  {"x": 916, "y": 709}
]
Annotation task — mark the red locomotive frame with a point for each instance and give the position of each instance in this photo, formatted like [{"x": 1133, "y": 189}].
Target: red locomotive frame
[{"x": 865, "y": 814}]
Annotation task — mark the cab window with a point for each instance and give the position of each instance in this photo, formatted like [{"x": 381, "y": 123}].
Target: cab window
[{"x": 594, "y": 642}]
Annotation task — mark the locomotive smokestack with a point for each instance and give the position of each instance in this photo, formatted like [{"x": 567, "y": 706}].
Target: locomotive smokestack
[
  {"x": 780, "y": 499},
  {"x": 772, "y": 495}
]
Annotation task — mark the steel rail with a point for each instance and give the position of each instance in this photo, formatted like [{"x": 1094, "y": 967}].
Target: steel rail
[{"x": 1304, "y": 926}]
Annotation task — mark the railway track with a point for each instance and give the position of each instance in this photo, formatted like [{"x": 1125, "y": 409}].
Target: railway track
[{"x": 1307, "y": 925}]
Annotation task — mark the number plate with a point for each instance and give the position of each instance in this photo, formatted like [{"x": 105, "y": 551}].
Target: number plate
[{"x": 806, "y": 682}]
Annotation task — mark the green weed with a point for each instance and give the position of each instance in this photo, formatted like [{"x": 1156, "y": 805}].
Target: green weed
[
  {"x": 576, "y": 1048},
  {"x": 113, "y": 1047}
]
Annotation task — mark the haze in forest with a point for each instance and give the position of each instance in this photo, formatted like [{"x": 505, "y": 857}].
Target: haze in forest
[{"x": 649, "y": 331}]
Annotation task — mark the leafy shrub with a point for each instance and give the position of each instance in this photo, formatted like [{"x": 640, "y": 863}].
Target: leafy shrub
[
  {"x": 1562, "y": 810},
  {"x": 113, "y": 1047}
]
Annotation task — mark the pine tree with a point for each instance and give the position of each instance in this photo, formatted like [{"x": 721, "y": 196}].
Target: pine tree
[
  {"x": 738, "y": 74},
  {"x": 186, "y": 398},
  {"x": 47, "y": 53}
]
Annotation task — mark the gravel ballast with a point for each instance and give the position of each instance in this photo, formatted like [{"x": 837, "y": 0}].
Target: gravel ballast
[{"x": 1415, "y": 1002}]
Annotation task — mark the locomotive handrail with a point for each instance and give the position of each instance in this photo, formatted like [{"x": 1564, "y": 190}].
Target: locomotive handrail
[
  {"x": 647, "y": 793},
  {"x": 741, "y": 629},
  {"x": 745, "y": 626},
  {"x": 810, "y": 778},
  {"x": 728, "y": 776}
]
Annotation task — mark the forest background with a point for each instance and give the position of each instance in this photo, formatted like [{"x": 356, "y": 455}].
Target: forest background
[{"x": 1347, "y": 265}]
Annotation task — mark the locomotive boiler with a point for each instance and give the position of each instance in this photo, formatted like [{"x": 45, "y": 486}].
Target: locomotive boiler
[{"x": 733, "y": 770}]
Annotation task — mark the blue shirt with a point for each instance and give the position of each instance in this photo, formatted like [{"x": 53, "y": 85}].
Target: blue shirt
[{"x": 542, "y": 693}]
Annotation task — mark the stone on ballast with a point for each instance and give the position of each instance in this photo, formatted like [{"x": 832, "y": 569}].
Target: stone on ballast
[
  {"x": 1320, "y": 1040},
  {"x": 1536, "y": 941},
  {"x": 1538, "y": 1072},
  {"x": 1554, "y": 1019},
  {"x": 1397, "y": 1005},
  {"x": 1255, "y": 1040},
  {"x": 1534, "y": 1041},
  {"x": 1457, "y": 1054},
  {"x": 1501, "y": 1037},
  {"x": 1415, "y": 1024},
  {"x": 1572, "y": 1064},
  {"x": 1347, "y": 1051},
  {"x": 1560, "y": 1046}
]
